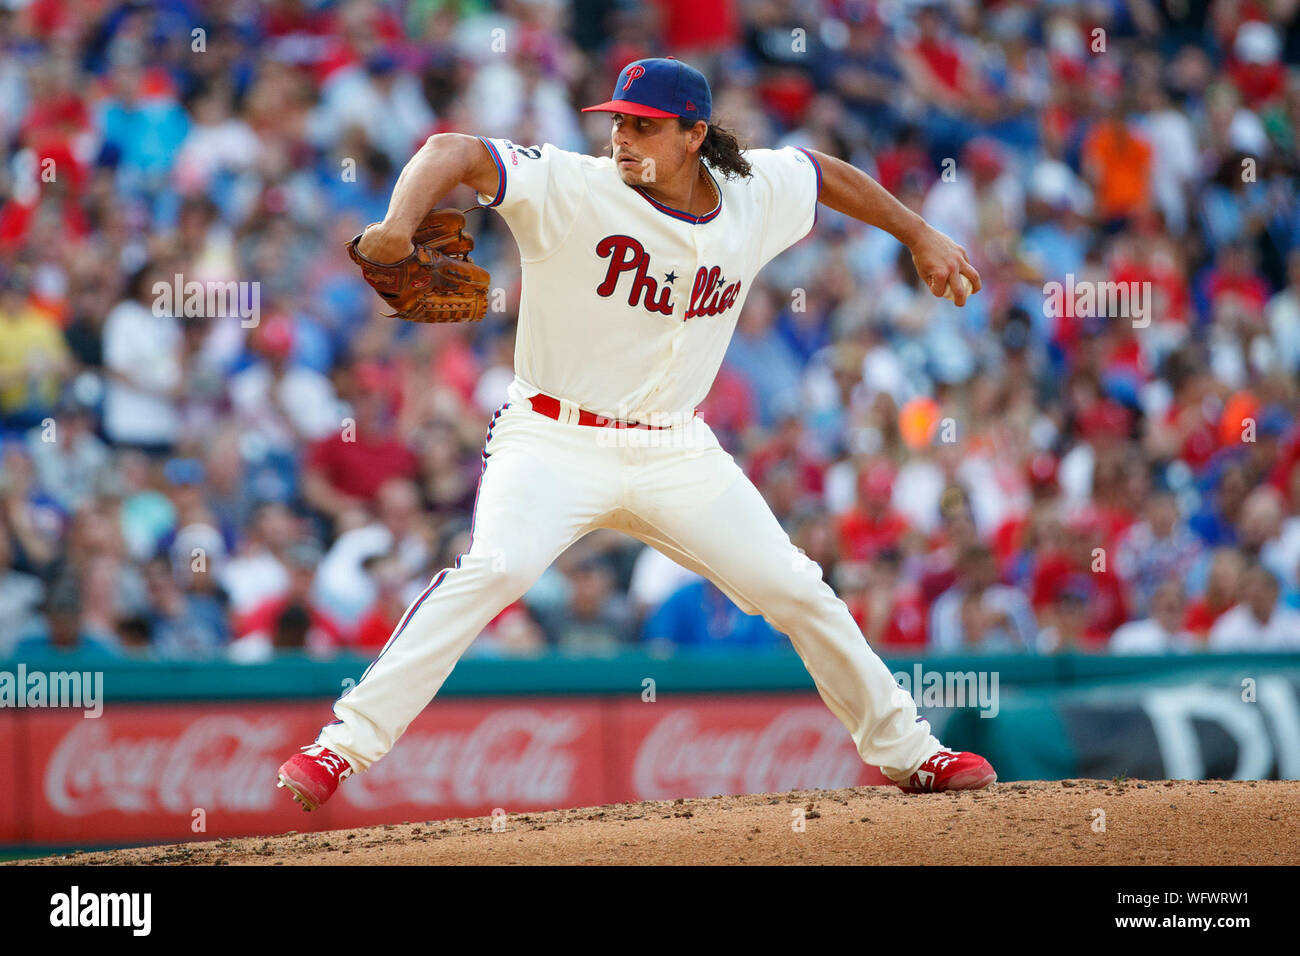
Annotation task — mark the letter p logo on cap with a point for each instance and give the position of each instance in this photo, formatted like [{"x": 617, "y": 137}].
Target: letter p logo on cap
[
  {"x": 664, "y": 88},
  {"x": 632, "y": 74}
]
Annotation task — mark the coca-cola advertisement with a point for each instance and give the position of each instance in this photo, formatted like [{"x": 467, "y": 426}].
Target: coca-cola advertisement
[
  {"x": 148, "y": 772},
  {"x": 703, "y": 748},
  {"x": 12, "y": 765},
  {"x": 154, "y": 772},
  {"x": 466, "y": 759}
]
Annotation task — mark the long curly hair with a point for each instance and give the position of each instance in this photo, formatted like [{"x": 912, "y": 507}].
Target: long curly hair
[{"x": 721, "y": 149}]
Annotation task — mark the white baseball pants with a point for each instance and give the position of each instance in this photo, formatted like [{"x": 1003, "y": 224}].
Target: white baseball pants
[{"x": 547, "y": 483}]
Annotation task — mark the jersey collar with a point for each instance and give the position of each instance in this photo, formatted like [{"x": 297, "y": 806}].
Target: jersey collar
[{"x": 685, "y": 216}]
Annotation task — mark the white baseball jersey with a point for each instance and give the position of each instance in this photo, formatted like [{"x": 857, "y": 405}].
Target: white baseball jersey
[
  {"x": 627, "y": 310},
  {"x": 627, "y": 304}
]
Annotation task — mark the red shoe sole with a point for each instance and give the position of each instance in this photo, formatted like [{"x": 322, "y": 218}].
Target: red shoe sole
[
  {"x": 299, "y": 791},
  {"x": 976, "y": 778}
]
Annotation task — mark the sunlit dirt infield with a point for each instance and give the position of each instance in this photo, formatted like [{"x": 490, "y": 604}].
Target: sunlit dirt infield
[{"x": 1061, "y": 822}]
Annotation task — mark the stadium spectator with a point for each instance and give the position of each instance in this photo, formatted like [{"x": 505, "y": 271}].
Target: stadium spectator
[
  {"x": 33, "y": 356},
  {"x": 388, "y": 580},
  {"x": 885, "y": 605},
  {"x": 1117, "y": 162},
  {"x": 183, "y": 625},
  {"x": 866, "y": 75},
  {"x": 913, "y": 431},
  {"x": 142, "y": 364},
  {"x": 72, "y": 624},
  {"x": 291, "y": 622},
  {"x": 789, "y": 451},
  {"x": 21, "y": 598},
  {"x": 1080, "y": 564},
  {"x": 979, "y": 614},
  {"x": 342, "y": 584},
  {"x": 450, "y": 477},
  {"x": 70, "y": 459},
  {"x": 1222, "y": 590},
  {"x": 1159, "y": 549},
  {"x": 873, "y": 525},
  {"x": 1283, "y": 315},
  {"x": 955, "y": 536},
  {"x": 514, "y": 632},
  {"x": 701, "y": 617},
  {"x": 282, "y": 403},
  {"x": 345, "y": 471},
  {"x": 760, "y": 354},
  {"x": 1067, "y": 621},
  {"x": 1163, "y": 631},
  {"x": 1260, "y": 622},
  {"x": 655, "y": 578},
  {"x": 1259, "y": 536},
  {"x": 257, "y": 571},
  {"x": 595, "y": 619},
  {"x": 28, "y": 514}
]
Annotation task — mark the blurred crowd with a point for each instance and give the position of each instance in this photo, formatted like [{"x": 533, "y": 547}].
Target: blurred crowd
[{"x": 286, "y": 473}]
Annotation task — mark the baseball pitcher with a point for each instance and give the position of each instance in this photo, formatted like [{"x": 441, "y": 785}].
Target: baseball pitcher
[{"x": 635, "y": 267}]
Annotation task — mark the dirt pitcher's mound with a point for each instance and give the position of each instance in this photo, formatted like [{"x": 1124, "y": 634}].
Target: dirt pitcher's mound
[{"x": 1072, "y": 821}]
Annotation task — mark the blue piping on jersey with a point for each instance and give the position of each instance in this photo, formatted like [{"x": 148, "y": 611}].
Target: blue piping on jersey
[
  {"x": 685, "y": 216},
  {"x": 817, "y": 166},
  {"x": 501, "y": 173},
  {"x": 406, "y": 618}
]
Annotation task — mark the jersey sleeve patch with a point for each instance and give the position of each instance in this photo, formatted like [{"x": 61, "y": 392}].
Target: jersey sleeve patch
[{"x": 540, "y": 191}]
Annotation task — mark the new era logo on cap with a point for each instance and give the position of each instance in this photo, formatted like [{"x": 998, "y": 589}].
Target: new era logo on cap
[{"x": 659, "y": 87}]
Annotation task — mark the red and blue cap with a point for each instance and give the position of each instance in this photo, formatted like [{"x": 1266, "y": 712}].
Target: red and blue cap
[{"x": 660, "y": 87}]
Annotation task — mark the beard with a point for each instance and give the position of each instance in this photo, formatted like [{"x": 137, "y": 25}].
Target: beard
[{"x": 634, "y": 174}]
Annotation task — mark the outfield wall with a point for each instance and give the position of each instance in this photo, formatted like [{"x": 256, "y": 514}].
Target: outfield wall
[{"x": 189, "y": 751}]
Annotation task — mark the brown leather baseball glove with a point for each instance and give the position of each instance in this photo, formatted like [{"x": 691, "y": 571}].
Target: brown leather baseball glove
[{"x": 437, "y": 282}]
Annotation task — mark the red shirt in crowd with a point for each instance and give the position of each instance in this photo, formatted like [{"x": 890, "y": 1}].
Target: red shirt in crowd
[
  {"x": 1201, "y": 442},
  {"x": 1107, "y": 606},
  {"x": 944, "y": 62},
  {"x": 1288, "y": 460},
  {"x": 1260, "y": 84},
  {"x": 783, "y": 450},
  {"x": 1201, "y": 616},
  {"x": 376, "y": 628},
  {"x": 377, "y": 625},
  {"x": 263, "y": 619},
  {"x": 689, "y": 24},
  {"x": 1250, "y": 288},
  {"x": 863, "y": 536},
  {"x": 895, "y": 162},
  {"x": 1008, "y": 537},
  {"x": 358, "y": 468},
  {"x": 906, "y": 628},
  {"x": 1172, "y": 298},
  {"x": 730, "y": 404}
]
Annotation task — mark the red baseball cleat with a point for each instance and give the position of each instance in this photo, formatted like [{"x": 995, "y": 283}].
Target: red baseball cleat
[
  {"x": 951, "y": 770},
  {"x": 313, "y": 775}
]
